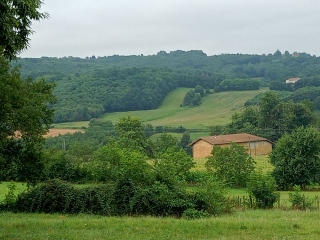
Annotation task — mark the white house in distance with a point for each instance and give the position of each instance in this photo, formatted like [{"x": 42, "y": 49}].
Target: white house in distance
[{"x": 292, "y": 80}]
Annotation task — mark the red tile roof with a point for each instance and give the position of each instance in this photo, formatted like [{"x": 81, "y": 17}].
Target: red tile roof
[{"x": 236, "y": 138}]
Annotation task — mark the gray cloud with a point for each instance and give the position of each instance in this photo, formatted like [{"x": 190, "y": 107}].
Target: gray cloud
[{"x": 106, "y": 27}]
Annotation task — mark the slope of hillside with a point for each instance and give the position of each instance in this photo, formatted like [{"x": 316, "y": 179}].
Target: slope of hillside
[{"x": 217, "y": 108}]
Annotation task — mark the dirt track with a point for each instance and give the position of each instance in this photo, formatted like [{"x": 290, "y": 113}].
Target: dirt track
[{"x": 53, "y": 132}]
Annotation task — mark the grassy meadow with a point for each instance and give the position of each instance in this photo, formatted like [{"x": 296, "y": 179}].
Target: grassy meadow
[
  {"x": 251, "y": 224},
  {"x": 216, "y": 109}
]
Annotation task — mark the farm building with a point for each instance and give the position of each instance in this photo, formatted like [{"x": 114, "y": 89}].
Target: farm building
[
  {"x": 293, "y": 80},
  {"x": 255, "y": 145}
]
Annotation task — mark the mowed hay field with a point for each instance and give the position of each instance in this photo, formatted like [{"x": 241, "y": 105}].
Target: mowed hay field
[
  {"x": 53, "y": 132},
  {"x": 250, "y": 224},
  {"x": 216, "y": 109}
]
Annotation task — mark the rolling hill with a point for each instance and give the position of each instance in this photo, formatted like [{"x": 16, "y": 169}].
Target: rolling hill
[{"x": 216, "y": 109}]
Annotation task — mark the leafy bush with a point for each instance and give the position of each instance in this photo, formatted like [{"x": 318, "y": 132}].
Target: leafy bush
[
  {"x": 160, "y": 200},
  {"x": 296, "y": 158},
  {"x": 231, "y": 164},
  {"x": 298, "y": 200},
  {"x": 262, "y": 188},
  {"x": 9, "y": 202},
  {"x": 59, "y": 196},
  {"x": 194, "y": 214},
  {"x": 212, "y": 198},
  {"x": 196, "y": 177}
]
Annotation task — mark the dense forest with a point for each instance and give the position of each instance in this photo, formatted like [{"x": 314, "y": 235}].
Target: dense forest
[{"x": 87, "y": 88}]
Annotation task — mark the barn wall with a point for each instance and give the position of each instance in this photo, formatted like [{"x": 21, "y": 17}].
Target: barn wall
[{"x": 202, "y": 149}]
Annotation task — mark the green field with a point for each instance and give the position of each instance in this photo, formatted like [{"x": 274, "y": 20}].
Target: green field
[
  {"x": 71, "y": 124},
  {"x": 250, "y": 224},
  {"x": 216, "y": 109}
]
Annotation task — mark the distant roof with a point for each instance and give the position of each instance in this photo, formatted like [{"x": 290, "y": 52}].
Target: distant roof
[
  {"x": 292, "y": 80},
  {"x": 236, "y": 138}
]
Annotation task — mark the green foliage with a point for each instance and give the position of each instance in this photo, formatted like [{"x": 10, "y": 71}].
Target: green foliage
[
  {"x": 56, "y": 196},
  {"x": 122, "y": 164},
  {"x": 172, "y": 166},
  {"x": 194, "y": 97},
  {"x": 197, "y": 177},
  {"x": 24, "y": 118},
  {"x": 96, "y": 135},
  {"x": 272, "y": 118},
  {"x": 10, "y": 198},
  {"x": 296, "y": 158},
  {"x": 199, "y": 89},
  {"x": 58, "y": 165},
  {"x": 184, "y": 143},
  {"x": 231, "y": 164},
  {"x": 237, "y": 85},
  {"x": 163, "y": 143},
  {"x": 191, "y": 214},
  {"x": 24, "y": 105},
  {"x": 15, "y": 25},
  {"x": 214, "y": 197},
  {"x": 299, "y": 200},
  {"x": 131, "y": 133},
  {"x": 21, "y": 161},
  {"x": 262, "y": 188}
]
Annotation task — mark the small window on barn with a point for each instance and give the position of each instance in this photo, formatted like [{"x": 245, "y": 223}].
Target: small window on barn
[
  {"x": 253, "y": 145},
  {"x": 265, "y": 143}
]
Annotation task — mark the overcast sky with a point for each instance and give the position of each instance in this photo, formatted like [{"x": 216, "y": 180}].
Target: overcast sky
[{"x": 83, "y": 28}]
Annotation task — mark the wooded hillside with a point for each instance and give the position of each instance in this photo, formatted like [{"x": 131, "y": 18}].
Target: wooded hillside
[{"x": 89, "y": 87}]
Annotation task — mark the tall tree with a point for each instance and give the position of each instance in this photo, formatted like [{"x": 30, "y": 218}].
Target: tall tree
[
  {"x": 24, "y": 112},
  {"x": 16, "y": 17},
  {"x": 131, "y": 133},
  {"x": 296, "y": 158}
]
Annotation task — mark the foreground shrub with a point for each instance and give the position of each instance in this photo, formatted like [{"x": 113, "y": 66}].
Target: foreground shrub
[
  {"x": 262, "y": 188},
  {"x": 215, "y": 198},
  {"x": 160, "y": 200},
  {"x": 298, "y": 200},
  {"x": 56, "y": 196},
  {"x": 195, "y": 214},
  {"x": 296, "y": 158},
  {"x": 197, "y": 177},
  {"x": 10, "y": 199},
  {"x": 231, "y": 164}
]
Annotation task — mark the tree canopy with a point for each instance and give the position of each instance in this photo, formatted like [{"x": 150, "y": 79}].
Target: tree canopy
[
  {"x": 296, "y": 158},
  {"x": 24, "y": 112},
  {"x": 16, "y": 17}
]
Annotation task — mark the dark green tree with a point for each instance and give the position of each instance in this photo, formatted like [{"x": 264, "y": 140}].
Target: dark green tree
[
  {"x": 296, "y": 158},
  {"x": 188, "y": 98},
  {"x": 184, "y": 143},
  {"x": 199, "y": 89},
  {"x": 24, "y": 112}
]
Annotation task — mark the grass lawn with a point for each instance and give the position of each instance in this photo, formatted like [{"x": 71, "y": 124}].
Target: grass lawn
[{"x": 251, "y": 224}]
